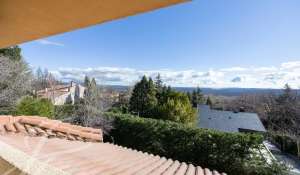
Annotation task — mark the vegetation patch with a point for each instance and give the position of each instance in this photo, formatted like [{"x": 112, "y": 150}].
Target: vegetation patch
[
  {"x": 33, "y": 106},
  {"x": 225, "y": 152}
]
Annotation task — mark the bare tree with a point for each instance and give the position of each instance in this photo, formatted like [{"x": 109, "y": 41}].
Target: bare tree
[
  {"x": 52, "y": 82},
  {"x": 284, "y": 115},
  {"x": 15, "y": 80}
]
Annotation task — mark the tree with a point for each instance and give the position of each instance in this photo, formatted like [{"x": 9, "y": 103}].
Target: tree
[
  {"x": 86, "y": 81},
  {"x": 43, "y": 79},
  {"x": 143, "y": 99},
  {"x": 51, "y": 84},
  {"x": 167, "y": 104},
  {"x": 209, "y": 102},
  {"x": 284, "y": 115},
  {"x": 90, "y": 105},
  {"x": 13, "y": 53},
  {"x": 89, "y": 110},
  {"x": 15, "y": 76},
  {"x": 197, "y": 97},
  {"x": 177, "y": 108},
  {"x": 158, "y": 83}
]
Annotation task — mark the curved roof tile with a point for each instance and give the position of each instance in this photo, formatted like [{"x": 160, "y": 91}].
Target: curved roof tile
[{"x": 61, "y": 148}]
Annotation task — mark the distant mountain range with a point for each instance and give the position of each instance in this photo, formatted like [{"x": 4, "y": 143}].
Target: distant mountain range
[{"x": 219, "y": 91}]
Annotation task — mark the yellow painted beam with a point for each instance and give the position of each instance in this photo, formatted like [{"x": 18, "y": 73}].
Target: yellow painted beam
[{"x": 26, "y": 20}]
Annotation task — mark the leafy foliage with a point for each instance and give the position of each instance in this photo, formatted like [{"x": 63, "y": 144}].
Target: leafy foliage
[
  {"x": 226, "y": 152},
  {"x": 284, "y": 142},
  {"x": 143, "y": 100},
  {"x": 32, "y": 106},
  {"x": 197, "y": 97},
  {"x": 177, "y": 108},
  {"x": 155, "y": 100},
  {"x": 64, "y": 111},
  {"x": 13, "y": 53}
]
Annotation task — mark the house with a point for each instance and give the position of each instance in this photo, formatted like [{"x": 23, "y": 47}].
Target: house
[
  {"x": 61, "y": 94},
  {"x": 40, "y": 146},
  {"x": 229, "y": 121}
]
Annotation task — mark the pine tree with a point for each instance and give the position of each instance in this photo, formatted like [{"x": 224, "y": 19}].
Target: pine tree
[
  {"x": 158, "y": 83},
  {"x": 86, "y": 81},
  {"x": 143, "y": 99},
  {"x": 197, "y": 97},
  {"x": 209, "y": 102}
]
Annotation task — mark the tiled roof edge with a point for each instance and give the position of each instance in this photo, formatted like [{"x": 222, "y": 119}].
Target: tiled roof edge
[
  {"x": 89, "y": 134},
  {"x": 26, "y": 163}
]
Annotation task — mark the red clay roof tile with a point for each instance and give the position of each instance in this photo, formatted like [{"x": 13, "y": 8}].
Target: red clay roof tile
[{"x": 67, "y": 152}]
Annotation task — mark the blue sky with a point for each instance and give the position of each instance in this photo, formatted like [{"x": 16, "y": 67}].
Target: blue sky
[{"x": 189, "y": 44}]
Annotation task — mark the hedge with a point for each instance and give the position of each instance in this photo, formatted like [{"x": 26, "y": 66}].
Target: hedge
[
  {"x": 224, "y": 152},
  {"x": 285, "y": 143}
]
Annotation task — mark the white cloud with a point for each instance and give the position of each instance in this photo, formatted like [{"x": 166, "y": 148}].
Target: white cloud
[
  {"x": 47, "y": 42},
  {"x": 255, "y": 77},
  {"x": 291, "y": 65},
  {"x": 234, "y": 69}
]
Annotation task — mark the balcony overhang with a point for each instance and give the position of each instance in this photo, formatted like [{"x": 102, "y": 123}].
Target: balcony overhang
[{"x": 26, "y": 20}]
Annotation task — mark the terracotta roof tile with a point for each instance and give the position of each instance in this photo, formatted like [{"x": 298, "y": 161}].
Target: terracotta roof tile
[
  {"x": 63, "y": 148},
  {"x": 41, "y": 126}
]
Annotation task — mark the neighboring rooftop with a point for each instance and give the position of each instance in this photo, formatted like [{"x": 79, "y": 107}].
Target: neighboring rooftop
[
  {"x": 40, "y": 146},
  {"x": 229, "y": 121},
  {"x": 61, "y": 94}
]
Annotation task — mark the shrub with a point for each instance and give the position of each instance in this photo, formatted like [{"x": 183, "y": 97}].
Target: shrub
[
  {"x": 7, "y": 110},
  {"x": 285, "y": 143},
  {"x": 225, "y": 152},
  {"x": 64, "y": 111},
  {"x": 32, "y": 106}
]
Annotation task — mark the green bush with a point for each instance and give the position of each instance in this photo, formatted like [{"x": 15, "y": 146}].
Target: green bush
[
  {"x": 32, "y": 106},
  {"x": 224, "y": 152},
  {"x": 63, "y": 111},
  {"x": 7, "y": 110},
  {"x": 285, "y": 143}
]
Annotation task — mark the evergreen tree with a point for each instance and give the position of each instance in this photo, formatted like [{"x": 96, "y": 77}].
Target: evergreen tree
[
  {"x": 167, "y": 104},
  {"x": 143, "y": 99},
  {"x": 178, "y": 108},
  {"x": 209, "y": 102},
  {"x": 13, "y": 53},
  {"x": 86, "y": 81},
  {"x": 158, "y": 83},
  {"x": 197, "y": 97}
]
